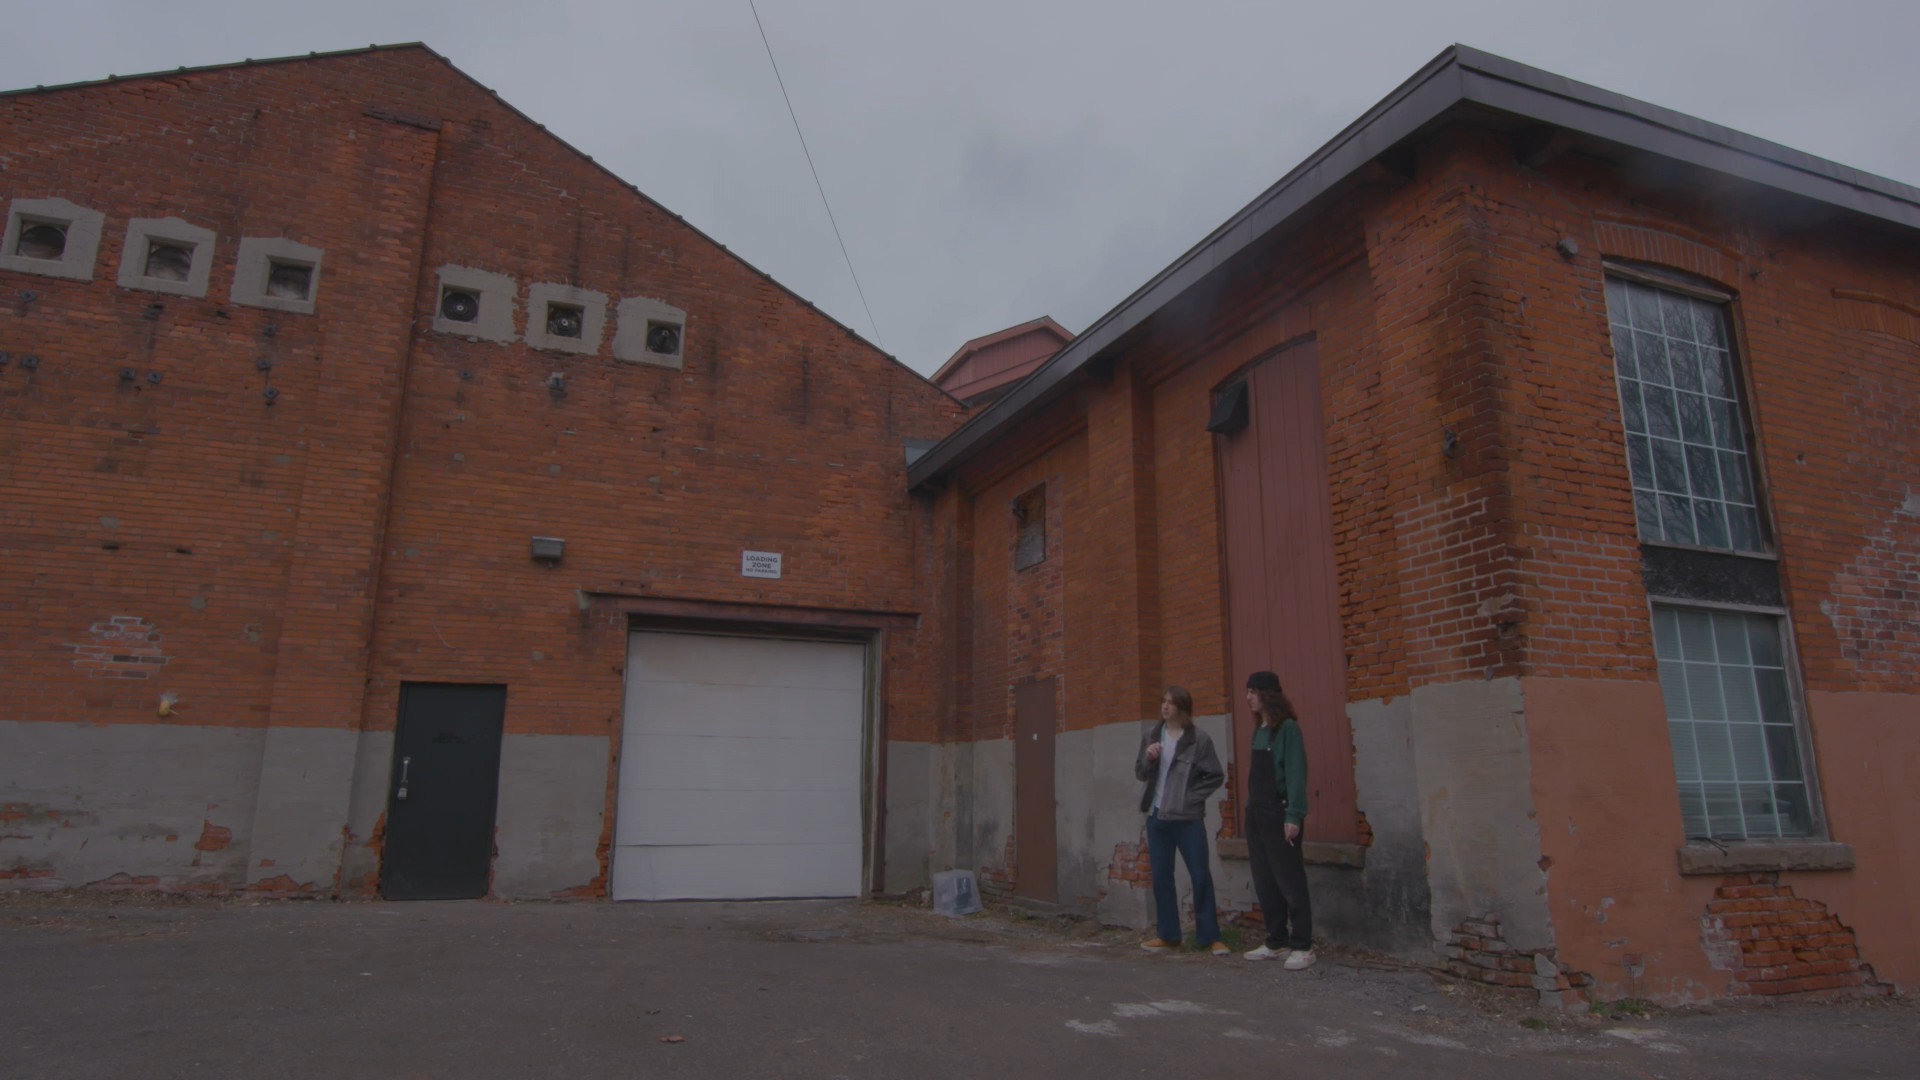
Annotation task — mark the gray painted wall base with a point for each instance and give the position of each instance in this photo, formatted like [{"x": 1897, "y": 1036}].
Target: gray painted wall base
[
  {"x": 910, "y": 804},
  {"x": 1476, "y": 809},
  {"x": 373, "y": 768},
  {"x": 101, "y": 800},
  {"x": 299, "y": 824},
  {"x": 1386, "y": 905},
  {"x": 553, "y": 794}
]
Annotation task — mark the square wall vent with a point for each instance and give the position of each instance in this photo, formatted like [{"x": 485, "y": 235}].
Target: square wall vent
[
  {"x": 52, "y": 237},
  {"x": 651, "y": 332},
  {"x": 474, "y": 304},
  {"x": 565, "y": 319},
  {"x": 275, "y": 273},
  {"x": 166, "y": 255}
]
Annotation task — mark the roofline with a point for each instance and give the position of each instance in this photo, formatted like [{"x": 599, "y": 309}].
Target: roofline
[
  {"x": 974, "y": 345},
  {"x": 1459, "y": 75},
  {"x": 113, "y": 80}
]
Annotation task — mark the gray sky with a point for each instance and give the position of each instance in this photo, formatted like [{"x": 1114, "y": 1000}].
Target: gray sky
[{"x": 990, "y": 162}]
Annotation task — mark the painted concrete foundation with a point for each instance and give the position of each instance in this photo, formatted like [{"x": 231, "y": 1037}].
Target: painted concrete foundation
[
  {"x": 174, "y": 807},
  {"x": 139, "y": 804},
  {"x": 910, "y": 806},
  {"x": 305, "y": 784},
  {"x": 548, "y": 821},
  {"x": 1474, "y": 780}
]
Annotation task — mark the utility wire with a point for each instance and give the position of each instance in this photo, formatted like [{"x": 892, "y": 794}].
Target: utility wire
[{"x": 816, "y": 175}]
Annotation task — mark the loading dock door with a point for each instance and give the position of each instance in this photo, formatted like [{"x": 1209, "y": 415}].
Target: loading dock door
[{"x": 740, "y": 768}]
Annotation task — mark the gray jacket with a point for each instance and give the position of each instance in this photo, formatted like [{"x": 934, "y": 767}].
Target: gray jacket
[{"x": 1196, "y": 774}]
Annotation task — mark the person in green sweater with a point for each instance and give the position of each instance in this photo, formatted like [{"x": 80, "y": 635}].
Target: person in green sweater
[{"x": 1276, "y": 813}]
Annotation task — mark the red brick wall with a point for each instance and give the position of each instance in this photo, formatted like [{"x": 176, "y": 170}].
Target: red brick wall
[{"x": 299, "y": 560}]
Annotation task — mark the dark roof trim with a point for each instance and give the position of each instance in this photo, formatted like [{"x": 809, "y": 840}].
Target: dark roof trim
[
  {"x": 1459, "y": 75},
  {"x": 114, "y": 80}
]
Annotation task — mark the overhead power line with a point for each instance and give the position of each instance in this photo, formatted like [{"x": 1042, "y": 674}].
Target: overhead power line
[{"x": 816, "y": 175}]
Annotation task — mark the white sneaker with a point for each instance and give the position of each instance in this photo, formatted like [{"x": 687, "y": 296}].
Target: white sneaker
[
  {"x": 1263, "y": 953},
  {"x": 1300, "y": 959}
]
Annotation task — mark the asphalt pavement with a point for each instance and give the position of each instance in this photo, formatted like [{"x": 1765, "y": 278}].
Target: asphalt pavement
[{"x": 129, "y": 987}]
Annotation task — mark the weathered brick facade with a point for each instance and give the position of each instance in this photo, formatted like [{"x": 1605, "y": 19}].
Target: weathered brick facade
[
  {"x": 280, "y": 565},
  {"x": 1501, "y": 680}
]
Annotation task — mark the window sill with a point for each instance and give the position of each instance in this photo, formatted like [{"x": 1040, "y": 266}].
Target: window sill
[
  {"x": 1317, "y": 853},
  {"x": 1764, "y": 857}
]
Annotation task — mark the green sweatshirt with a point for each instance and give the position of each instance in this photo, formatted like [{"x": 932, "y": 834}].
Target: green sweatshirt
[{"x": 1289, "y": 764}]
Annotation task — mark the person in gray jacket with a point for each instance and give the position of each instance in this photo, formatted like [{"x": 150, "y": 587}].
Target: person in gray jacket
[{"x": 1178, "y": 764}]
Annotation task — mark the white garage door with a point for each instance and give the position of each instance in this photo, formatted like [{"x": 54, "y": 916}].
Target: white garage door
[{"x": 740, "y": 765}]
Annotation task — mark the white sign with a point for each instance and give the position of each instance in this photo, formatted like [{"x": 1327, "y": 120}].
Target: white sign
[{"x": 764, "y": 564}]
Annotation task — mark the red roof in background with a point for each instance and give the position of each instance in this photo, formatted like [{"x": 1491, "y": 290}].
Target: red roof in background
[{"x": 1001, "y": 358}]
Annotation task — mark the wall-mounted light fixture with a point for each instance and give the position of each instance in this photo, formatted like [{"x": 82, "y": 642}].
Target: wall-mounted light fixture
[{"x": 548, "y": 549}]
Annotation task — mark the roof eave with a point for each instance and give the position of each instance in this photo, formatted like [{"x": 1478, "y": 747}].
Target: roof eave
[{"x": 1458, "y": 76}]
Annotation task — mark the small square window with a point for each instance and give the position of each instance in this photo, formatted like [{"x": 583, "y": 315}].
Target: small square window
[
  {"x": 663, "y": 339},
  {"x": 275, "y": 273},
  {"x": 475, "y": 304},
  {"x": 41, "y": 239},
  {"x": 564, "y": 318},
  {"x": 651, "y": 332},
  {"x": 459, "y": 305},
  {"x": 52, "y": 237},
  {"x": 168, "y": 261},
  {"x": 289, "y": 281},
  {"x": 1030, "y": 529},
  {"x": 166, "y": 255}
]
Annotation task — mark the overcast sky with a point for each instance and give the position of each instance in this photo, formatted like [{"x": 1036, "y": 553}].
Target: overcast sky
[{"x": 990, "y": 162}]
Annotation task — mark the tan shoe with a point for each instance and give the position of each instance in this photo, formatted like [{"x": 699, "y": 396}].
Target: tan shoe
[
  {"x": 1154, "y": 944},
  {"x": 1219, "y": 948}
]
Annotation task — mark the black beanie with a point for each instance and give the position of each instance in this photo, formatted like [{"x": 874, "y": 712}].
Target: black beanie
[{"x": 1263, "y": 680}]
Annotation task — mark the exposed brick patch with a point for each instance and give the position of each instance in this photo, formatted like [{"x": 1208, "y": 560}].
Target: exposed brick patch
[
  {"x": 1786, "y": 945},
  {"x": 24, "y": 869},
  {"x": 213, "y": 837},
  {"x": 1130, "y": 865},
  {"x": 1478, "y": 952},
  {"x": 1366, "y": 831},
  {"x": 123, "y": 647}
]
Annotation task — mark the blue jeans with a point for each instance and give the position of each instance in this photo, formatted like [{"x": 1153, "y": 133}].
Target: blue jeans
[{"x": 1190, "y": 839}]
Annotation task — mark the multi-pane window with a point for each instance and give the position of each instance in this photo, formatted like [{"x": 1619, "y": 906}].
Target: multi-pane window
[
  {"x": 1692, "y": 481},
  {"x": 1730, "y": 717}
]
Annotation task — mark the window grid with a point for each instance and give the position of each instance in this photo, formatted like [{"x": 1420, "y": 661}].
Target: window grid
[
  {"x": 1730, "y": 720},
  {"x": 1686, "y": 446}
]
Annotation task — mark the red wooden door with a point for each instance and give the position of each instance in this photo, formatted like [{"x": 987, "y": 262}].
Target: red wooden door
[{"x": 1283, "y": 600}]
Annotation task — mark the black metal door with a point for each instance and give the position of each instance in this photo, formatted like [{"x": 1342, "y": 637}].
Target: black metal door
[{"x": 440, "y": 797}]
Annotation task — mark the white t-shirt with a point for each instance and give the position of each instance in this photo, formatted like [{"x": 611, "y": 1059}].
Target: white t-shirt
[{"x": 1168, "y": 741}]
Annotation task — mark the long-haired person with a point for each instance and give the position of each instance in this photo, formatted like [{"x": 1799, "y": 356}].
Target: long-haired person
[
  {"x": 1180, "y": 768},
  {"x": 1276, "y": 815}
]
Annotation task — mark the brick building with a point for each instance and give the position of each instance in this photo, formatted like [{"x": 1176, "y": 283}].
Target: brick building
[
  {"x": 1559, "y": 452},
  {"x": 396, "y": 501},
  {"x": 987, "y": 366},
  {"x": 363, "y": 444}
]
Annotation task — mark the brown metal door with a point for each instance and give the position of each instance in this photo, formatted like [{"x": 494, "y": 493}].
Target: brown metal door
[
  {"x": 1033, "y": 846},
  {"x": 1283, "y": 602}
]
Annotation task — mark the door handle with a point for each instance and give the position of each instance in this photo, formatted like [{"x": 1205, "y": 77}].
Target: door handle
[{"x": 405, "y": 764}]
